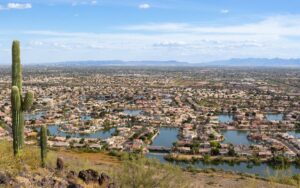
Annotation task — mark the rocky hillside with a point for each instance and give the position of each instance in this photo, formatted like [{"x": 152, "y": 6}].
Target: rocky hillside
[{"x": 77, "y": 169}]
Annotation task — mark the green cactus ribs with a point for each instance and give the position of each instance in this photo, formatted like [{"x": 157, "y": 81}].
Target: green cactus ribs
[
  {"x": 43, "y": 144},
  {"x": 19, "y": 105}
]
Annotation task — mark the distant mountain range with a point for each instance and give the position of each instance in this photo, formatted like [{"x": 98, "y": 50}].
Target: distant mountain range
[
  {"x": 250, "y": 62},
  {"x": 256, "y": 62}
]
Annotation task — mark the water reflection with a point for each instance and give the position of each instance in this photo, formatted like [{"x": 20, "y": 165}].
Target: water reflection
[
  {"x": 274, "y": 117},
  {"x": 263, "y": 169},
  {"x": 166, "y": 137},
  {"x": 103, "y": 134},
  {"x": 225, "y": 118},
  {"x": 236, "y": 137}
]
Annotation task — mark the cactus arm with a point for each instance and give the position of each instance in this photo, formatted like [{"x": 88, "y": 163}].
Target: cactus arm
[{"x": 28, "y": 101}]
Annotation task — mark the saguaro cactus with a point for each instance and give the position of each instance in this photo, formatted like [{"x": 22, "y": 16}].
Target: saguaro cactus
[
  {"x": 18, "y": 104},
  {"x": 43, "y": 144}
]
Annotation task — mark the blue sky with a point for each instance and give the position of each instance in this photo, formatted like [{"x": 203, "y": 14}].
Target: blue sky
[{"x": 185, "y": 30}]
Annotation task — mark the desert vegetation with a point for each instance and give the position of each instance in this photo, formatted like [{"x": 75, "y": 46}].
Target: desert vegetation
[{"x": 19, "y": 105}]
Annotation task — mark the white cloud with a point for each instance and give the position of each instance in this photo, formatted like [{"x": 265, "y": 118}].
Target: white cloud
[
  {"x": 144, "y": 6},
  {"x": 224, "y": 11},
  {"x": 278, "y": 25},
  {"x": 78, "y": 2},
  {"x": 19, "y": 6},
  {"x": 94, "y": 2},
  {"x": 170, "y": 44},
  {"x": 160, "y": 27},
  {"x": 277, "y": 36}
]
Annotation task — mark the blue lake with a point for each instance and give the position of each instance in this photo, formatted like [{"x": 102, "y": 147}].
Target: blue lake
[
  {"x": 225, "y": 118},
  {"x": 236, "y": 137},
  {"x": 169, "y": 135},
  {"x": 166, "y": 137},
  {"x": 85, "y": 118},
  {"x": 296, "y": 134},
  {"x": 274, "y": 117},
  {"x": 263, "y": 170},
  {"x": 103, "y": 134},
  {"x": 132, "y": 112},
  {"x": 36, "y": 116}
]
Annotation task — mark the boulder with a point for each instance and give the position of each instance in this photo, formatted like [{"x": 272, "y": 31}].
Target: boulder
[
  {"x": 104, "y": 179},
  {"x": 71, "y": 175},
  {"x": 112, "y": 185},
  {"x": 4, "y": 178},
  {"x": 59, "y": 183},
  {"x": 59, "y": 163},
  {"x": 89, "y": 175},
  {"x": 22, "y": 181},
  {"x": 74, "y": 185}
]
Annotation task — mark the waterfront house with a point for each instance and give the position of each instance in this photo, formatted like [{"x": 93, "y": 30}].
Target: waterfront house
[
  {"x": 265, "y": 154},
  {"x": 290, "y": 154},
  {"x": 184, "y": 149},
  {"x": 204, "y": 151}
]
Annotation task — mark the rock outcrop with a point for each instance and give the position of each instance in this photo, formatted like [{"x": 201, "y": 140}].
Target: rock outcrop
[{"x": 89, "y": 176}]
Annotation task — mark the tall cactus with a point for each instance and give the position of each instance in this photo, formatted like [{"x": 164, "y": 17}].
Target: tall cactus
[
  {"x": 18, "y": 104},
  {"x": 43, "y": 144}
]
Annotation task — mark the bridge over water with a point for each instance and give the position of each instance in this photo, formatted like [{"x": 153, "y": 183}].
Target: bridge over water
[{"x": 159, "y": 149}]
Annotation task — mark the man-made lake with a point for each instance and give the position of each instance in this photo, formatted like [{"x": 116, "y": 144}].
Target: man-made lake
[
  {"x": 36, "y": 116},
  {"x": 166, "y": 137},
  {"x": 169, "y": 135},
  {"x": 274, "y": 117},
  {"x": 85, "y": 118},
  {"x": 132, "y": 112},
  {"x": 236, "y": 137},
  {"x": 225, "y": 118},
  {"x": 296, "y": 134},
  {"x": 103, "y": 134},
  {"x": 263, "y": 170}
]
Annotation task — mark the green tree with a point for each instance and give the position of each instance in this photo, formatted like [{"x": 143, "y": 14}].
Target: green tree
[
  {"x": 231, "y": 151},
  {"x": 215, "y": 144},
  {"x": 215, "y": 151},
  {"x": 195, "y": 147}
]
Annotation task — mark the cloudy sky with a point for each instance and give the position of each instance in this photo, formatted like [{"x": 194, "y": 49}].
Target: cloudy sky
[{"x": 185, "y": 30}]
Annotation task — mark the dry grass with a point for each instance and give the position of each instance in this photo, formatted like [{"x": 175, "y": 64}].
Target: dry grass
[
  {"x": 99, "y": 158},
  {"x": 77, "y": 161},
  {"x": 29, "y": 157}
]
